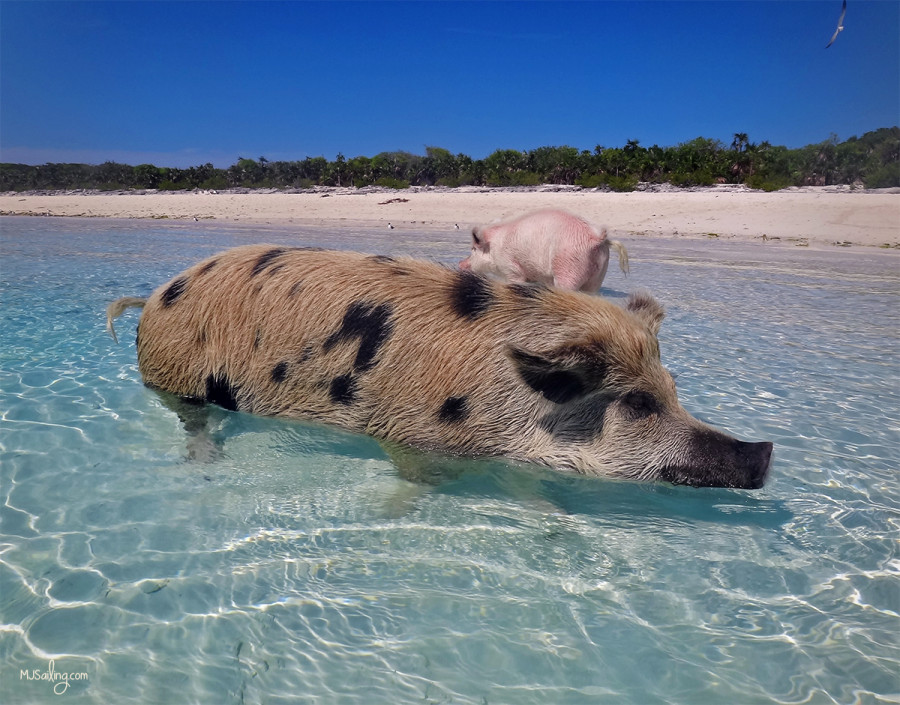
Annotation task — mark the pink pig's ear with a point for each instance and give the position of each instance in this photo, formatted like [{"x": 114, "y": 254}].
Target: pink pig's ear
[{"x": 479, "y": 240}]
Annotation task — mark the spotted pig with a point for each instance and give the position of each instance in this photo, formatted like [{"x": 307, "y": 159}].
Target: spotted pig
[
  {"x": 440, "y": 359},
  {"x": 549, "y": 247}
]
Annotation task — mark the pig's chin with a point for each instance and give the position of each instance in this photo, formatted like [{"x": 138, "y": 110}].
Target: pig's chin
[{"x": 709, "y": 477}]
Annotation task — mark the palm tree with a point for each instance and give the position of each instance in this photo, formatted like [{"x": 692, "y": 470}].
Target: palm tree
[{"x": 740, "y": 141}]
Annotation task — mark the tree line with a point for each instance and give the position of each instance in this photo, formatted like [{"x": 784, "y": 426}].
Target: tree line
[{"x": 872, "y": 160}]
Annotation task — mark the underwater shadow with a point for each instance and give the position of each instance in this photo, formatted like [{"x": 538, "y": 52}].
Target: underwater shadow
[
  {"x": 499, "y": 478},
  {"x": 208, "y": 429},
  {"x": 612, "y": 293}
]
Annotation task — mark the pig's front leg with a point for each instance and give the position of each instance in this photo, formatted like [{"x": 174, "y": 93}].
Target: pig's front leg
[{"x": 515, "y": 274}]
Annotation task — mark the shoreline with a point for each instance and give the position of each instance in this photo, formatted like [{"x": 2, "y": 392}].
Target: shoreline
[{"x": 814, "y": 217}]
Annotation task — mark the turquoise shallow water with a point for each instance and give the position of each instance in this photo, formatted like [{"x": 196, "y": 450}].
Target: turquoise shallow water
[{"x": 301, "y": 567}]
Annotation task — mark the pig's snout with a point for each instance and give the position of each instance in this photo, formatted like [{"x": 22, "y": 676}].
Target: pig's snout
[
  {"x": 464, "y": 264},
  {"x": 722, "y": 461}
]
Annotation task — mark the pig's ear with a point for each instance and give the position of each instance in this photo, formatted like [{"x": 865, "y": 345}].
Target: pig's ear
[
  {"x": 478, "y": 239},
  {"x": 647, "y": 309},
  {"x": 560, "y": 375}
]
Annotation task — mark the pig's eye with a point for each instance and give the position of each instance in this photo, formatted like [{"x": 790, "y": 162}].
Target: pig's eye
[{"x": 639, "y": 404}]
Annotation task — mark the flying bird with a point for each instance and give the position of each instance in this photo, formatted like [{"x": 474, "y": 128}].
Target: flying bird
[{"x": 840, "y": 27}]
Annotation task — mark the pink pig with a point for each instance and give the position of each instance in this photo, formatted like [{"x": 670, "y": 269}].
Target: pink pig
[{"x": 550, "y": 247}]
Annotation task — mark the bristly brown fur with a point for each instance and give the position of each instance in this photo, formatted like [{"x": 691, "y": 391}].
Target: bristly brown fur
[{"x": 417, "y": 353}]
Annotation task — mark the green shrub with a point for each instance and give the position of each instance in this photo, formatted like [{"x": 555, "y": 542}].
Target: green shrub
[
  {"x": 768, "y": 183},
  {"x": 884, "y": 176},
  {"x": 614, "y": 183},
  {"x": 694, "y": 178},
  {"x": 514, "y": 178},
  {"x": 525, "y": 178},
  {"x": 591, "y": 180},
  {"x": 216, "y": 182},
  {"x": 704, "y": 178},
  {"x": 622, "y": 183},
  {"x": 391, "y": 182}
]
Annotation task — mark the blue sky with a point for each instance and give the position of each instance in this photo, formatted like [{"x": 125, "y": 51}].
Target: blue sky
[{"x": 184, "y": 83}]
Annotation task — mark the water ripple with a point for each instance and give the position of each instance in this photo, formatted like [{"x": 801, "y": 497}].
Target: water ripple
[{"x": 299, "y": 566}]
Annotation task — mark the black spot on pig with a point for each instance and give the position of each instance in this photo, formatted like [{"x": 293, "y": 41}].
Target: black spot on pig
[
  {"x": 579, "y": 422},
  {"x": 343, "y": 390},
  {"x": 267, "y": 259},
  {"x": 174, "y": 291},
  {"x": 369, "y": 323},
  {"x": 208, "y": 266},
  {"x": 529, "y": 291},
  {"x": 279, "y": 372},
  {"x": 395, "y": 268},
  {"x": 454, "y": 410},
  {"x": 548, "y": 378},
  {"x": 220, "y": 391},
  {"x": 471, "y": 295}
]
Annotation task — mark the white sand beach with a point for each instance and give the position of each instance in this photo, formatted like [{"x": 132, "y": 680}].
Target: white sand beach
[{"x": 810, "y": 217}]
